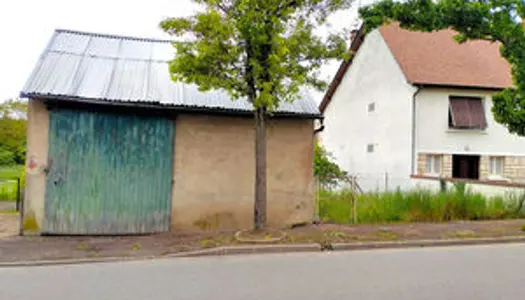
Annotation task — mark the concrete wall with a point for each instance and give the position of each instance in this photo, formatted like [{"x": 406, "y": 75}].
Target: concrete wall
[
  {"x": 434, "y": 136},
  {"x": 214, "y": 172},
  {"x": 373, "y": 77},
  {"x": 37, "y": 137}
]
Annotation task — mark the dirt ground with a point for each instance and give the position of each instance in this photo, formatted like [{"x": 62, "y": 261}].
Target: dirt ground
[
  {"x": 9, "y": 223},
  {"x": 28, "y": 248}
]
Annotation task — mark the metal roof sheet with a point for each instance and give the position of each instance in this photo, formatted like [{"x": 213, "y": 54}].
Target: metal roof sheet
[{"x": 90, "y": 66}]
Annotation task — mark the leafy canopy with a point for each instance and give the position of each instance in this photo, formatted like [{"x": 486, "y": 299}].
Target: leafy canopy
[
  {"x": 492, "y": 20},
  {"x": 325, "y": 169},
  {"x": 263, "y": 51},
  {"x": 13, "y": 126}
]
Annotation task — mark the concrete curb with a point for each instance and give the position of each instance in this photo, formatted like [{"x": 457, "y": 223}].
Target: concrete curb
[{"x": 261, "y": 249}]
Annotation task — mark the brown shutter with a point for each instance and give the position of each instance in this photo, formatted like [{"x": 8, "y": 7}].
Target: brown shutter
[
  {"x": 477, "y": 114},
  {"x": 467, "y": 112},
  {"x": 459, "y": 108}
]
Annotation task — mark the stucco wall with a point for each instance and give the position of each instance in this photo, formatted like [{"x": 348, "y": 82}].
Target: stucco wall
[
  {"x": 373, "y": 77},
  {"x": 214, "y": 172},
  {"x": 434, "y": 136},
  {"x": 37, "y": 136}
]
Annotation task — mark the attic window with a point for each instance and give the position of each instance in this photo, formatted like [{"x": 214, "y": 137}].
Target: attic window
[
  {"x": 371, "y": 107},
  {"x": 466, "y": 113}
]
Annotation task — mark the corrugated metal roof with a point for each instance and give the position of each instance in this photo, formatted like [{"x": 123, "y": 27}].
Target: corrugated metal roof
[{"x": 90, "y": 66}]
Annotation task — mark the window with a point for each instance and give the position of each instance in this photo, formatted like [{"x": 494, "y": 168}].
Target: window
[
  {"x": 465, "y": 166},
  {"x": 370, "y": 148},
  {"x": 466, "y": 113},
  {"x": 433, "y": 164},
  {"x": 496, "y": 165},
  {"x": 372, "y": 107}
]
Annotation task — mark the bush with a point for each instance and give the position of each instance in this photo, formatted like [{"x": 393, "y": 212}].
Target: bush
[
  {"x": 7, "y": 158},
  {"x": 419, "y": 206}
]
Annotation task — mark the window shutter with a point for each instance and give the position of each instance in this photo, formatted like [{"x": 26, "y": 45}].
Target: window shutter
[
  {"x": 467, "y": 112},
  {"x": 459, "y": 108},
  {"x": 477, "y": 114}
]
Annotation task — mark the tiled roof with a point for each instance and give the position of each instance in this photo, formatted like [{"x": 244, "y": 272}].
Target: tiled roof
[
  {"x": 435, "y": 58},
  {"x": 127, "y": 70}
]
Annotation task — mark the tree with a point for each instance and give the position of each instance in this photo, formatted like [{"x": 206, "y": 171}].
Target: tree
[
  {"x": 261, "y": 51},
  {"x": 491, "y": 20},
  {"x": 13, "y": 126},
  {"x": 325, "y": 169}
]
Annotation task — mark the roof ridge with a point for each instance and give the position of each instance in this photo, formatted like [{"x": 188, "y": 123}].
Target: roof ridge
[{"x": 113, "y": 36}]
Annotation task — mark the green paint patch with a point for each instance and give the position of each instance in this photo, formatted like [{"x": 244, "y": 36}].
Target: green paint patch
[{"x": 30, "y": 224}]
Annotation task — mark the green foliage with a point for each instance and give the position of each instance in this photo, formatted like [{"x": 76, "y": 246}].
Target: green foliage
[
  {"x": 8, "y": 183},
  {"x": 327, "y": 171},
  {"x": 7, "y": 158},
  {"x": 417, "y": 206},
  {"x": 473, "y": 20},
  {"x": 13, "y": 127},
  {"x": 263, "y": 51}
]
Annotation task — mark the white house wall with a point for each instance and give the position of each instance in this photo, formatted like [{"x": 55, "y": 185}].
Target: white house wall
[
  {"x": 373, "y": 77},
  {"x": 434, "y": 136}
]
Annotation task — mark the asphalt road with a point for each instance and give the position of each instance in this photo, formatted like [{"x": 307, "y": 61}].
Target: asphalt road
[{"x": 482, "y": 272}]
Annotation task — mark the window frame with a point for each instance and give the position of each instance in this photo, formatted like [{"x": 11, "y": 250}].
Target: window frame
[
  {"x": 371, "y": 107},
  {"x": 468, "y": 110},
  {"x": 431, "y": 161},
  {"x": 493, "y": 166}
]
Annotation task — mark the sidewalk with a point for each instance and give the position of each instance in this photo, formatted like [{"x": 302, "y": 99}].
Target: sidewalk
[{"x": 307, "y": 238}]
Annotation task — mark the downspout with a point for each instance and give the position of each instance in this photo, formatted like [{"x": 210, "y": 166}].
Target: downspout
[
  {"x": 413, "y": 141},
  {"x": 316, "y": 131}
]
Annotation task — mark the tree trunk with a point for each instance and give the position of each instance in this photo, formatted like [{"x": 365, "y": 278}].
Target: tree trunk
[{"x": 260, "y": 169}]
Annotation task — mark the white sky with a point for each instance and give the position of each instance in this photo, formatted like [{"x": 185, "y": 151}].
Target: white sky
[{"x": 27, "y": 25}]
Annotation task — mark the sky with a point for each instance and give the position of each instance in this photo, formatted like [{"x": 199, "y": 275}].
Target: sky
[{"x": 27, "y": 25}]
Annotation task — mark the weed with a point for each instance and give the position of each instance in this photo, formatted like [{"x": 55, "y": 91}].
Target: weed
[
  {"x": 523, "y": 227},
  {"x": 82, "y": 248}
]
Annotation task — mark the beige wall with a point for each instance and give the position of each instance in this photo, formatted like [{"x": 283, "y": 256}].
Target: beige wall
[
  {"x": 37, "y": 136},
  {"x": 513, "y": 167},
  {"x": 214, "y": 172}
]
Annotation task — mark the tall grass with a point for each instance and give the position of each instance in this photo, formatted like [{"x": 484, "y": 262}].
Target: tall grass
[
  {"x": 418, "y": 206},
  {"x": 8, "y": 183}
]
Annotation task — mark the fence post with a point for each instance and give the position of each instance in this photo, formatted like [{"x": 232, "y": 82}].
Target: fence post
[
  {"x": 18, "y": 194},
  {"x": 354, "y": 200},
  {"x": 317, "y": 218}
]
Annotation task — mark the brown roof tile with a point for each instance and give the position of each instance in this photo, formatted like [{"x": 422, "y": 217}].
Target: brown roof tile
[{"x": 436, "y": 59}]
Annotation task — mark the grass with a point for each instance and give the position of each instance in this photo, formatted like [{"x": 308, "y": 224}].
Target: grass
[
  {"x": 8, "y": 183},
  {"x": 418, "y": 206}
]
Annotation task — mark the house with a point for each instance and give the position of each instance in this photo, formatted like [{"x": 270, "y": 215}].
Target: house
[
  {"x": 116, "y": 147},
  {"x": 417, "y": 105}
]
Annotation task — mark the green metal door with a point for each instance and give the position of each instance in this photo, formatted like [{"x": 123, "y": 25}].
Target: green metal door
[{"x": 108, "y": 173}]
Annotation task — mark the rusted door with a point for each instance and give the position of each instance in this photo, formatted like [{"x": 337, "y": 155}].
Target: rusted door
[{"x": 108, "y": 173}]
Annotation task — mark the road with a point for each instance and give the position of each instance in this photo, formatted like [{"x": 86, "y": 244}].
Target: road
[{"x": 480, "y": 272}]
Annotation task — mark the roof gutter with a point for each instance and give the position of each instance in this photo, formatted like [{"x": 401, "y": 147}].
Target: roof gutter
[{"x": 413, "y": 133}]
